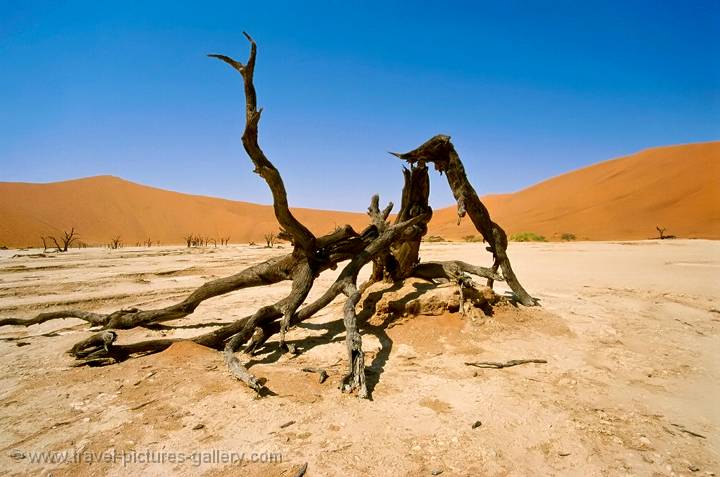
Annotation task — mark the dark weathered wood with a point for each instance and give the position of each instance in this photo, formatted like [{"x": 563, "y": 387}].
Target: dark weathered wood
[
  {"x": 441, "y": 152},
  {"x": 507, "y": 364},
  {"x": 450, "y": 270},
  {"x": 322, "y": 374},
  {"x": 67, "y": 239},
  {"x": 266, "y": 273},
  {"x": 415, "y": 202},
  {"x": 354, "y": 380},
  {"x": 301, "y": 235},
  {"x": 384, "y": 261},
  {"x": 231, "y": 360},
  {"x": 398, "y": 262},
  {"x": 95, "y": 319}
]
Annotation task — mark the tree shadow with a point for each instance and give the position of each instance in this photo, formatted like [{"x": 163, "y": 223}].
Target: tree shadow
[
  {"x": 513, "y": 299},
  {"x": 375, "y": 369},
  {"x": 270, "y": 352},
  {"x": 162, "y": 327}
]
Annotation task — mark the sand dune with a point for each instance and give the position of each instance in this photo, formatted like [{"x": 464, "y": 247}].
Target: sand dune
[
  {"x": 105, "y": 206},
  {"x": 676, "y": 187}
]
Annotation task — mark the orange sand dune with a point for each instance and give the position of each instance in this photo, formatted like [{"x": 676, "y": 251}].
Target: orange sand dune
[
  {"x": 676, "y": 187},
  {"x": 103, "y": 207}
]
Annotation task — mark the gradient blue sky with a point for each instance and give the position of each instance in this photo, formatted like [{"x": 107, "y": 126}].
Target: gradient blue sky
[{"x": 527, "y": 90}]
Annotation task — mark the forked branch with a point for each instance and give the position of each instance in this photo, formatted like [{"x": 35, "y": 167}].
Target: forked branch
[{"x": 301, "y": 235}]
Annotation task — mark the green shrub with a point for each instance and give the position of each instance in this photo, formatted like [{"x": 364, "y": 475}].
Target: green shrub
[
  {"x": 434, "y": 238},
  {"x": 567, "y": 237},
  {"x": 472, "y": 238},
  {"x": 527, "y": 237}
]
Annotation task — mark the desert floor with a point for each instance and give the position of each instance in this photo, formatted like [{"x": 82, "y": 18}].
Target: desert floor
[{"x": 630, "y": 332}]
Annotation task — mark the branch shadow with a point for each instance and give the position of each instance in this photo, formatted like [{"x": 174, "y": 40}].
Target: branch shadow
[
  {"x": 162, "y": 327},
  {"x": 369, "y": 306},
  {"x": 513, "y": 299},
  {"x": 270, "y": 352}
]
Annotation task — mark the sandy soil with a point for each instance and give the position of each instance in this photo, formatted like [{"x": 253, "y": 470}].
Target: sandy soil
[{"x": 631, "y": 386}]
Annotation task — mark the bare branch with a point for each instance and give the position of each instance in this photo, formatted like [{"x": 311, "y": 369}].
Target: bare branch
[{"x": 301, "y": 235}]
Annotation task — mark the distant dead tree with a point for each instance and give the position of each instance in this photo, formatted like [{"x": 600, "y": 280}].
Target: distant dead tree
[
  {"x": 661, "y": 231},
  {"x": 148, "y": 242},
  {"x": 115, "y": 243},
  {"x": 67, "y": 239},
  {"x": 45, "y": 247},
  {"x": 224, "y": 241},
  {"x": 192, "y": 240},
  {"x": 270, "y": 239}
]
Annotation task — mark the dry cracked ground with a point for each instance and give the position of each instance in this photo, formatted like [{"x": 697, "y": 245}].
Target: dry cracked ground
[{"x": 631, "y": 386}]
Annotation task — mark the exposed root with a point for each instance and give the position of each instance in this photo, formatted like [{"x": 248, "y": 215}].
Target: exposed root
[
  {"x": 507, "y": 364},
  {"x": 451, "y": 270},
  {"x": 323, "y": 375},
  {"x": 354, "y": 380},
  {"x": 95, "y": 319}
]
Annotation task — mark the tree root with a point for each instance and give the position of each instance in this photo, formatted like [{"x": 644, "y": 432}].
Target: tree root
[
  {"x": 507, "y": 364},
  {"x": 323, "y": 375}
]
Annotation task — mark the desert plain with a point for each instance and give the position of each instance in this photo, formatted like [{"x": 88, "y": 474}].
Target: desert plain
[{"x": 629, "y": 331}]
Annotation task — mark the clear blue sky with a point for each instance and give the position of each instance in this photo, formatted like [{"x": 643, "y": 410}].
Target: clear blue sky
[{"x": 539, "y": 88}]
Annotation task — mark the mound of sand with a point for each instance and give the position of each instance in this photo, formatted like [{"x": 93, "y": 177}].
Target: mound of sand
[
  {"x": 103, "y": 207},
  {"x": 675, "y": 187}
]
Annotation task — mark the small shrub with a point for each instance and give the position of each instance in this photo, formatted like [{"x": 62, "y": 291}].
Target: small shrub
[
  {"x": 434, "y": 238},
  {"x": 472, "y": 238},
  {"x": 115, "y": 243},
  {"x": 527, "y": 237},
  {"x": 270, "y": 239},
  {"x": 567, "y": 237}
]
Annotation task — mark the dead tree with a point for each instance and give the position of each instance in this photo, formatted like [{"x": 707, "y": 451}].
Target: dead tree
[
  {"x": 44, "y": 241},
  {"x": 67, "y": 239},
  {"x": 661, "y": 231},
  {"x": 392, "y": 248},
  {"x": 115, "y": 243},
  {"x": 148, "y": 242},
  {"x": 270, "y": 239}
]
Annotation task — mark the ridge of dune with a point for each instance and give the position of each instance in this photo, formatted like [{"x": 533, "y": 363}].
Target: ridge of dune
[
  {"x": 677, "y": 187},
  {"x": 619, "y": 199},
  {"x": 102, "y": 207}
]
